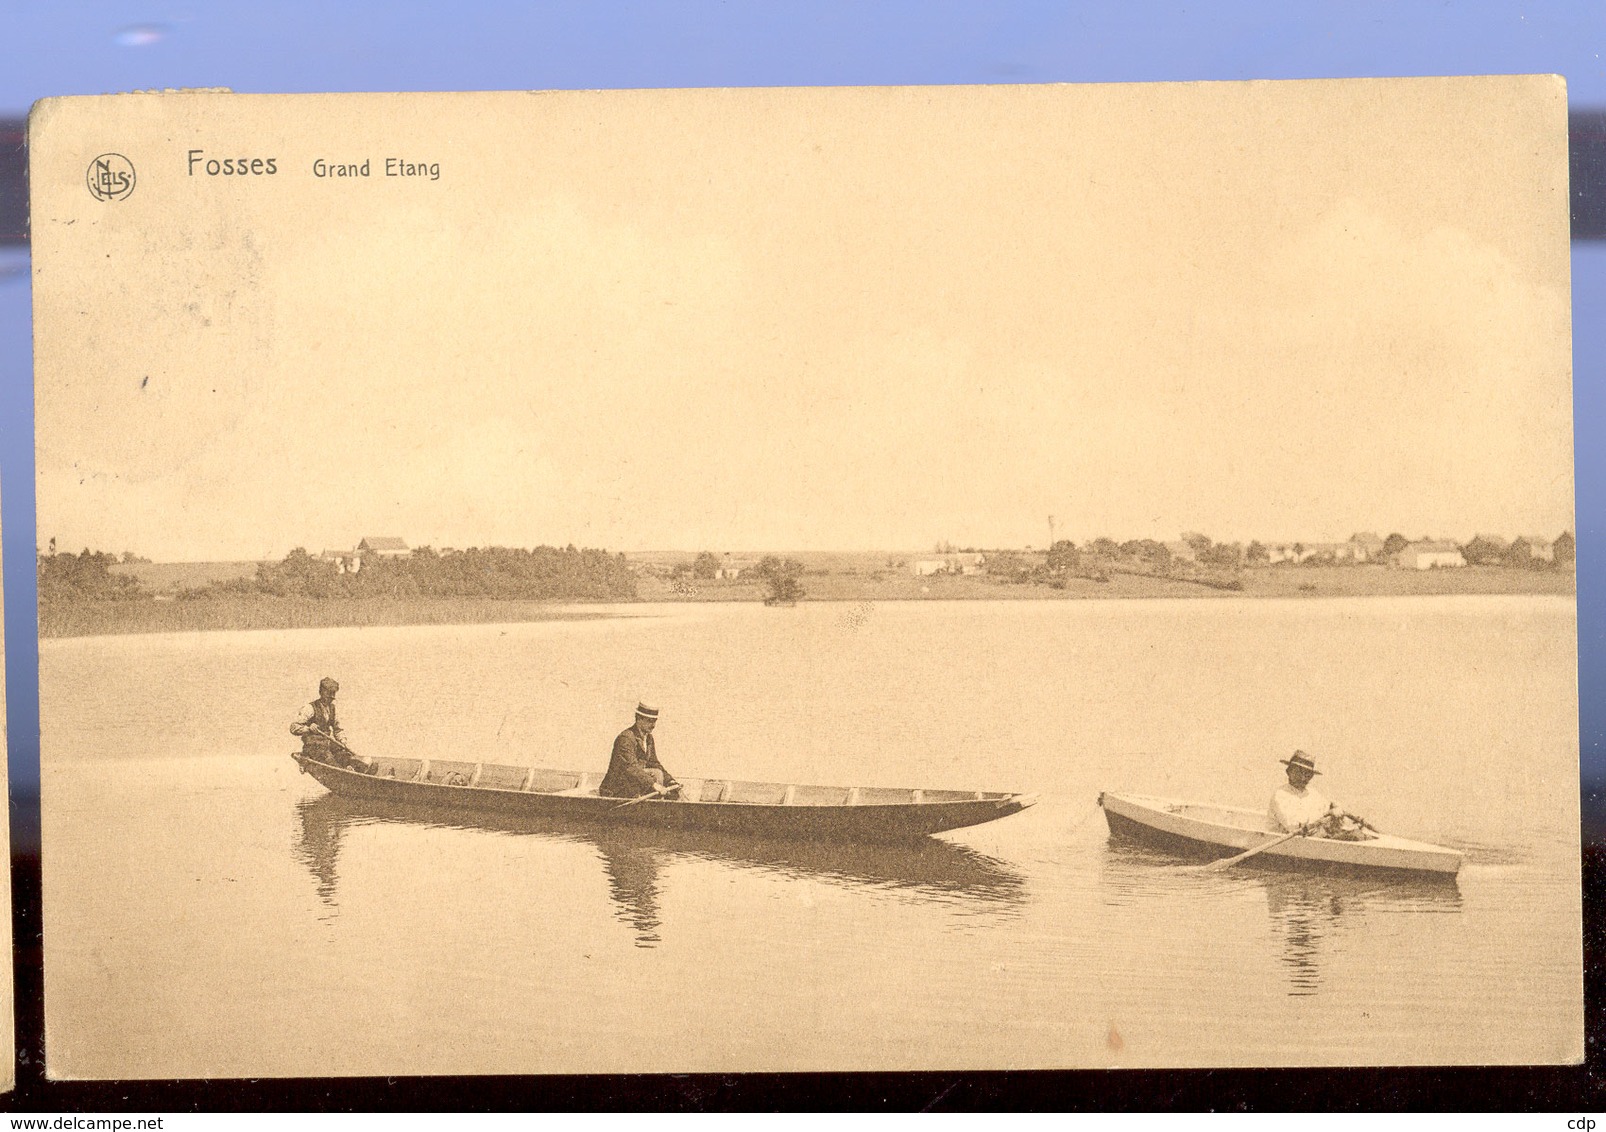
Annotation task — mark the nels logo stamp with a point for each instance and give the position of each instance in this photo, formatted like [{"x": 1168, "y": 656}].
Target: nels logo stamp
[{"x": 110, "y": 177}]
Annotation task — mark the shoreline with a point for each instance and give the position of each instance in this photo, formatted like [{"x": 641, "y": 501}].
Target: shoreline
[
  {"x": 1266, "y": 582},
  {"x": 151, "y": 615},
  {"x": 123, "y": 618}
]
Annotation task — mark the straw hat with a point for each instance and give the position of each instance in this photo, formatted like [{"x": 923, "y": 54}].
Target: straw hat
[{"x": 1302, "y": 761}]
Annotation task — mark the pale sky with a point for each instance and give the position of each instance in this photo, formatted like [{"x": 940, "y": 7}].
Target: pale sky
[{"x": 808, "y": 319}]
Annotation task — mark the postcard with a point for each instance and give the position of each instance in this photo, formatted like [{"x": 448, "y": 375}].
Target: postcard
[{"x": 1013, "y": 577}]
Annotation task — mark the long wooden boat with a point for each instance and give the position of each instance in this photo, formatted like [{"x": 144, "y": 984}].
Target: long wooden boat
[
  {"x": 1200, "y": 829},
  {"x": 631, "y": 852},
  {"x": 770, "y": 809}
]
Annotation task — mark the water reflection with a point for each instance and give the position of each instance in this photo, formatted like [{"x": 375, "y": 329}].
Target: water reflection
[
  {"x": 929, "y": 870},
  {"x": 633, "y": 883},
  {"x": 319, "y": 845},
  {"x": 1310, "y": 910}
]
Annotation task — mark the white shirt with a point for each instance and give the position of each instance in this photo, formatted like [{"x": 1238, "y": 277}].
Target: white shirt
[
  {"x": 304, "y": 723},
  {"x": 1292, "y": 808}
]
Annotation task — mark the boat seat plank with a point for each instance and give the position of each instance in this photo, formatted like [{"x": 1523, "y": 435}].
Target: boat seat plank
[{"x": 714, "y": 791}]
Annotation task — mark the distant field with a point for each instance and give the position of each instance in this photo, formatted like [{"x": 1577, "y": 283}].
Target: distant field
[
  {"x": 171, "y": 577},
  {"x": 1385, "y": 581}
]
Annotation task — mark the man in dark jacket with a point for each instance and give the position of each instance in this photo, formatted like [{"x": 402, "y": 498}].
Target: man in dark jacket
[
  {"x": 318, "y": 724},
  {"x": 633, "y": 768}
]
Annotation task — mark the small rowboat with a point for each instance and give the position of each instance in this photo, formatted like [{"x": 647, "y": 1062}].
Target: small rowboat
[
  {"x": 1200, "y": 829},
  {"x": 770, "y": 809}
]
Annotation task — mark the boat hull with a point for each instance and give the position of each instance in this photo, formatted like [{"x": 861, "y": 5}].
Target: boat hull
[
  {"x": 868, "y": 822},
  {"x": 1197, "y": 830}
]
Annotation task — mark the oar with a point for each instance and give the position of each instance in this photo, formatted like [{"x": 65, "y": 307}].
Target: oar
[
  {"x": 658, "y": 792},
  {"x": 1217, "y": 866},
  {"x": 329, "y": 735}
]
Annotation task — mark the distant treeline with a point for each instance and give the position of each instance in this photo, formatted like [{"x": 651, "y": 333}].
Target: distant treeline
[
  {"x": 779, "y": 574},
  {"x": 1065, "y": 554},
  {"x": 543, "y": 574},
  {"x": 84, "y": 577},
  {"x": 1217, "y": 564}
]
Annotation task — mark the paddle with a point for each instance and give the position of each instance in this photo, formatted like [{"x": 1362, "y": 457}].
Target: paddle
[
  {"x": 329, "y": 735},
  {"x": 1217, "y": 866},
  {"x": 658, "y": 792},
  {"x": 1365, "y": 826}
]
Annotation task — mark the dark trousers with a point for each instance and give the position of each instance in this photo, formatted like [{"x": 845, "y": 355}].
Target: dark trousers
[{"x": 319, "y": 749}]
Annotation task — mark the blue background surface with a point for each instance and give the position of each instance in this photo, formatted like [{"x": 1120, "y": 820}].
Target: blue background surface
[{"x": 90, "y": 48}]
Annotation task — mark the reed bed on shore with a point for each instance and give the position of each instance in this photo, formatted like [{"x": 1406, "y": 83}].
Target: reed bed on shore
[{"x": 100, "y": 618}]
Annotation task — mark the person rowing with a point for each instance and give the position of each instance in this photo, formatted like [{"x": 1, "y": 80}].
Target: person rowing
[
  {"x": 633, "y": 768},
  {"x": 319, "y": 728},
  {"x": 1298, "y": 807}
]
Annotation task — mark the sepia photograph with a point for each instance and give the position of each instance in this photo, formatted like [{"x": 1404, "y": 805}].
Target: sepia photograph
[{"x": 829, "y": 579}]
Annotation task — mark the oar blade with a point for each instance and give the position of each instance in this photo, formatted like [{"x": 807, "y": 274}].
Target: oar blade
[{"x": 1229, "y": 862}]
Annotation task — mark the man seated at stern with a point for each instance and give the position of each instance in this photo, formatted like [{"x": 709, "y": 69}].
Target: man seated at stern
[
  {"x": 633, "y": 769},
  {"x": 1299, "y": 806}
]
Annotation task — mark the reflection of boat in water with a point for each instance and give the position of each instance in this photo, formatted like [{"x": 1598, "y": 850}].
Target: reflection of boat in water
[
  {"x": 770, "y": 809},
  {"x": 1202, "y": 829},
  {"x": 1309, "y": 909},
  {"x": 928, "y": 870}
]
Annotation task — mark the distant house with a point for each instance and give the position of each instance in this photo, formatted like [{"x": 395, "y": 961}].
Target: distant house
[
  {"x": 732, "y": 568},
  {"x": 383, "y": 547},
  {"x": 1539, "y": 547},
  {"x": 1295, "y": 552},
  {"x": 346, "y": 561},
  {"x": 1429, "y": 555},
  {"x": 1332, "y": 552},
  {"x": 925, "y": 567},
  {"x": 1367, "y": 547}
]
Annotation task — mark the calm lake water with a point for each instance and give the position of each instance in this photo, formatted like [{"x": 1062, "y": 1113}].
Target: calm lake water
[{"x": 210, "y": 911}]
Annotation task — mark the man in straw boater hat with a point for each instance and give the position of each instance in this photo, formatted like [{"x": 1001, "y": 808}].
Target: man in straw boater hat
[
  {"x": 1300, "y": 806},
  {"x": 319, "y": 728},
  {"x": 633, "y": 769}
]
